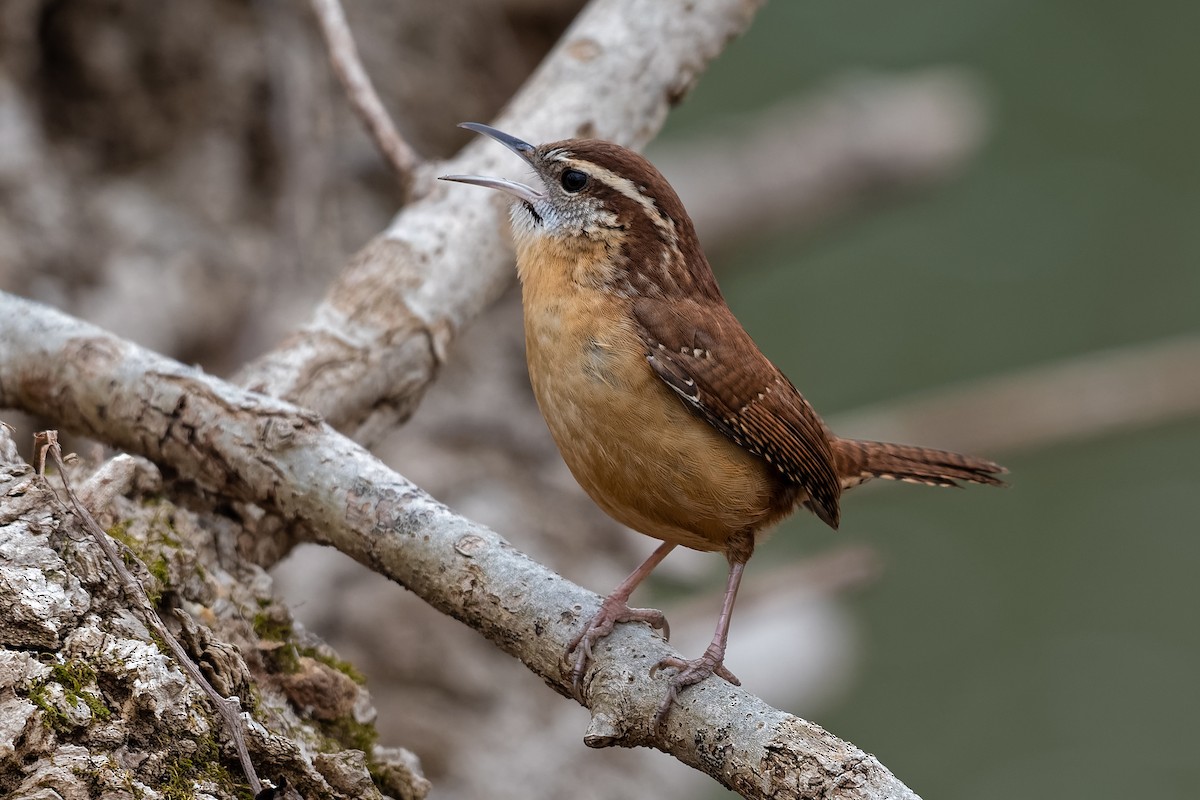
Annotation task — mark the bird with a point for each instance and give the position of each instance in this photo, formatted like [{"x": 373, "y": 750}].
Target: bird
[{"x": 663, "y": 408}]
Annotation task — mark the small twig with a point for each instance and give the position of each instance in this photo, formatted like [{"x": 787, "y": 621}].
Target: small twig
[
  {"x": 46, "y": 444},
  {"x": 343, "y": 55}
]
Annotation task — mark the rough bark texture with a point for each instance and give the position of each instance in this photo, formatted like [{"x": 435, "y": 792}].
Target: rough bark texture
[
  {"x": 248, "y": 447},
  {"x": 91, "y": 705}
]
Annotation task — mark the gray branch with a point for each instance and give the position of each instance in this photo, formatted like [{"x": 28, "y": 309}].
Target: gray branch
[{"x": 249, "y": 447}]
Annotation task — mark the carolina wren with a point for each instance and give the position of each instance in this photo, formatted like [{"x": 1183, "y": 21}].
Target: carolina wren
[{"x": 663, "y": 407}]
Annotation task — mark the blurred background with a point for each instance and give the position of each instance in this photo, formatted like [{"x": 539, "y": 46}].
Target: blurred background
[
  {"x": 960, "y": 224},
  {"x": 1042, "y": 640}
]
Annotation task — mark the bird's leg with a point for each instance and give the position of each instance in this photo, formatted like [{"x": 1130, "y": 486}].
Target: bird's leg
[
  {"x": 614, "y": 609},
  {"x": 713, "y": 659}
]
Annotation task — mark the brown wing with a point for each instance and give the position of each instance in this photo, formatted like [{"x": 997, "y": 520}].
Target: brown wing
[{"x": 702, "y": 352}]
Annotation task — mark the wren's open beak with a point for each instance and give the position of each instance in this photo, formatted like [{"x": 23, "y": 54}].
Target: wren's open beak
[{"x": 524, "y": 149}]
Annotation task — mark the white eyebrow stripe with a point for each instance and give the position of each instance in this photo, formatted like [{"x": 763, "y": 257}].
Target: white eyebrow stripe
[{"x": 627, "y": 188}]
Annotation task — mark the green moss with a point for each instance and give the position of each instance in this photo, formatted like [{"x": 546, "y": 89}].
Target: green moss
[
  {"x": 347, "y": 733},
  {"x": 120, "y": 532},
  {"x": 344, "y": 667},
  {"x": 160, "y": 569},
  {"x": 283, "y": 659},
  {"x": 74, "y": 676},
  {"x": 101, "y": 780},
  {"x": 253, "y": 701},
  {"x": 182, "y": 773},
  {"x": 52, "y": 717},
  {"x": 161, "y": 644},
  {"x": 148, "y": 553},
  {"x": 163, "y": 530},
  {"x": 271, "y": 627},
  {"x": 93, "y": 778}
]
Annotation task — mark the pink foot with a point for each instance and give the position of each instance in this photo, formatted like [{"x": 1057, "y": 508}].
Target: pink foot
[
  {"x": 691, "y": 672},
  {"x": 611, "y": 612}
]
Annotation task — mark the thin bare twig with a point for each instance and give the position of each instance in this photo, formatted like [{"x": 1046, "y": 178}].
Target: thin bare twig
[
  {"x": 46, "y": 443},
  {"x": 343, "y": 55}
]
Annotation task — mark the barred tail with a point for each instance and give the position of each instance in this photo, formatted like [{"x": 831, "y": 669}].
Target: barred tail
[{"x": 856, "y": 461}]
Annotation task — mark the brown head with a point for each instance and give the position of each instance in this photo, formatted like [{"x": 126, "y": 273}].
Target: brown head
[{"x": 596, "y": 193}]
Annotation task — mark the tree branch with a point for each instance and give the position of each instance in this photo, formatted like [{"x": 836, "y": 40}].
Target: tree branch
[
  {"x": 254, "y": 448},
  {"x": 343, "y": 55},
  {"x": 1067, "y": 400},
  {"x": 376, "y": 341},
  {"x": 807, "y": 159}
]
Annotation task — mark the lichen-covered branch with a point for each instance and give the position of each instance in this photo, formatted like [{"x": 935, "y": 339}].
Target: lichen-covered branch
[
  {"x": 227, "y": 708},
  {"x": 94, "y": 703},
  {"x": 250, "y": 447}
]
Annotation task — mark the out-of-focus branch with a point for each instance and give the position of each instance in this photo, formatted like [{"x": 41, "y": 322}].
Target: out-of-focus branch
[
  {"x": 343, "y": 55},
  {"x": 253, "y": 448},
  {"x": 375, "y": 342},
  {"x": 809, "y": 159},
  {"x": 1077, "y": 398}
]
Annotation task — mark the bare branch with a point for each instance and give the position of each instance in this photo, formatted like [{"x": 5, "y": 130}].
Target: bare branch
[
  {"x": 253, "y": 448},
  {"x": 343, "y": 55},
  {"x": 1068, "y": 400},
  {"x": 377, "y": 339},
  {"x": 118, "y": 476},
  {"x": 808, "y": 159}
]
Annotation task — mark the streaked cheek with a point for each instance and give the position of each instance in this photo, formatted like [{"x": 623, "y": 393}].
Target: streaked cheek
[{"x": 524, "y": 226}]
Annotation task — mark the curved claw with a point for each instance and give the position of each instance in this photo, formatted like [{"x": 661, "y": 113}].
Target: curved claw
[
  {"x": 690, "y": 672},
  {"x": 601, "y": 625}
]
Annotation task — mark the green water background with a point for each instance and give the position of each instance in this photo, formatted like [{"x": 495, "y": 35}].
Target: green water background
[{"x": 1042, "y": 641}]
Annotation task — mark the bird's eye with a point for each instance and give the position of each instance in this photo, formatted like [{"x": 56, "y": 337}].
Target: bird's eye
[{"x": 573, "y": 180}]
